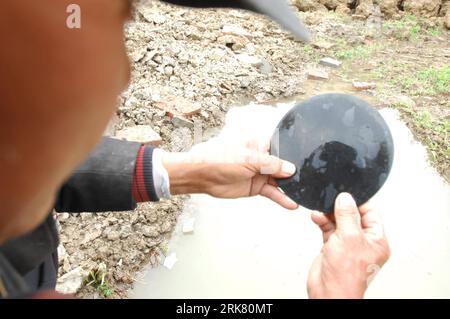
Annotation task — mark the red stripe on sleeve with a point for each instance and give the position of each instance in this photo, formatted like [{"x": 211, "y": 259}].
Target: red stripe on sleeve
[{"x": 139, "y": 190}]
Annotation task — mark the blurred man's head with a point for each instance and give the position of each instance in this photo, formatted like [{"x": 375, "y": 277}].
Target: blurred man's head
[{"x": 58, "y": 89}]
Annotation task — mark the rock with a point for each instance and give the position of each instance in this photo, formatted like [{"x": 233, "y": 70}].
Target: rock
[
  {"x": 150, "y": 231},
  {"x": 174, "y": 105},
  {"x": 132, "y": 102},
  {"x": 65, "y": 265},
  {"x": 245, "y": 58},
  {"x": 343, "y": 9},
  {"x": 86, "y": 216},
  {"x": 389, "y": 8},
  {"x": 317, "y": 75},
  {"x": 235, "y": 42},
  {"x": 405, "y": 100},
  {"x": 140, "y": 133},
  {"x": 181, "y": 140},
  {"x": 104, "y": 251},
  {"x": 125, "y": 231},
  {"x": 166, "y": 227},
  {"x": 113, "y": 235},
  {"x": 168, "y": 70},
  {"x": 447, "y": 20},
  {"x": 138, "y": 54},
  {"x": 362, "y": 86},
  {"x": 314, "y": 18},
  {"x": 90, "y": 236},
  {"x": 333, "y": 4},
  {"x": 188, "y": 226},
  {"x": 179, "y": 121},
  {"x": 321, "y": 44},
  {"x": 330, "y": 62},
  {"x": 374, "y": 23},
  {"x": 63, "y": 216},
  {"x": 170, "y": 261},
  {"x": 445, "y": 8},
  {"x": 70, "y": 282},
  {"x": 262, "y": 65},
  {"x": 235, "y": 30},
  {"x": 152, "y": 217},
  {"x": 150, "y": 15},
  {"x": 62, "y": 253},
  {"x": 423, "y": 8},
  {"x": 159, "y": 19},
  {"x": 265, "y": 67},
  {"x": 365, "y": 8},
  {"x": 157, "y": 58},
  {"x": 309, "y": 5},
  {"x": 359, "y": 17},
  {"x": 329, "y": 4}
]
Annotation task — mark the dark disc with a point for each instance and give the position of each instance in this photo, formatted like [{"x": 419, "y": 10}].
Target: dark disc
[{"x": 339, "y": 143}]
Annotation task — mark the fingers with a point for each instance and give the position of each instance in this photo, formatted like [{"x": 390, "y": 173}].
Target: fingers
[
  {"x": 325, "y": 222},
  {"x": 278, "y": 168},
  {"x": 278, "y": 197},
  {"x": 347, "y": 215},
  {"x": 371, "y": 220}
]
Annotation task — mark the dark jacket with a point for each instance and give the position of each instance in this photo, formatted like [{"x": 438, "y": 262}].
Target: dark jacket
[{"x": 102, "y": 183}]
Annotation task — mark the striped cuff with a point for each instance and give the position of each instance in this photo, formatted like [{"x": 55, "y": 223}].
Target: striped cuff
[{"x": 143, "y": 185}]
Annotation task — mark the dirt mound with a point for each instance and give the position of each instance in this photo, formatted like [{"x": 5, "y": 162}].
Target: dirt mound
[{"x": 389, "y": 8}]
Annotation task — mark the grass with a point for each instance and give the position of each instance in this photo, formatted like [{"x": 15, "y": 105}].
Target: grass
[
  {"x": 309, "y": 50},
  {"x": 312, "y": 53},
  {"x": 435, "y": 31},
  {"x": 411, "y": 28},
  {"x": 435, "y": 134},
  {"x": 356, "y": 53},
  {"x": 342, "y": 17},
  {"x": 429, "y": 81},
  {"x": 408, "y": 25},
  {"x": 437, "y": 80},
  {"x": 433, "y": 82},
  {"x": 97, "y": 279}
]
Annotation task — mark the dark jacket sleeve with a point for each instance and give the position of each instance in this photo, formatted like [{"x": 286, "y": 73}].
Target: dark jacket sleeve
[{"x": 103, "y": 182}]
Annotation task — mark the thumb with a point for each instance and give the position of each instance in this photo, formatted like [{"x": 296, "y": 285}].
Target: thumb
[
  {"x": 348, "y": 218},
  {"x": 276, "y": 167}
]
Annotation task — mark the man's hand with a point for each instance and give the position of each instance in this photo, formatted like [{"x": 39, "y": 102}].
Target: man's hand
[
  {"x": 229, "y": 170},
  {"x": 354, "y": 247}
]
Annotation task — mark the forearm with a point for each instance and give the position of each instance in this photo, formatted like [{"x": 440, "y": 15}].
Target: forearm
[{"x": 186, "y": 175}]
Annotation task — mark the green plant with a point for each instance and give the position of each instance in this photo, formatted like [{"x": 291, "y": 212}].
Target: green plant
[
  {"x": 97, "y": 279},
  {"x": 309, "y": 50},
  {"x": 405, "y": 22},
  {"x": 437, "y": 80},
  {"x": 414, "y": 32},
  {"x": 424, "y": 120},
  {"x": 342, "y": 17},
  {"x": 430, "y": 81},
  {"x": 359, "y": 52},
  {"x": 435, "y": 134},
  {"x": 435, "y": 31},
  {"x": 411, "y": 27}
]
